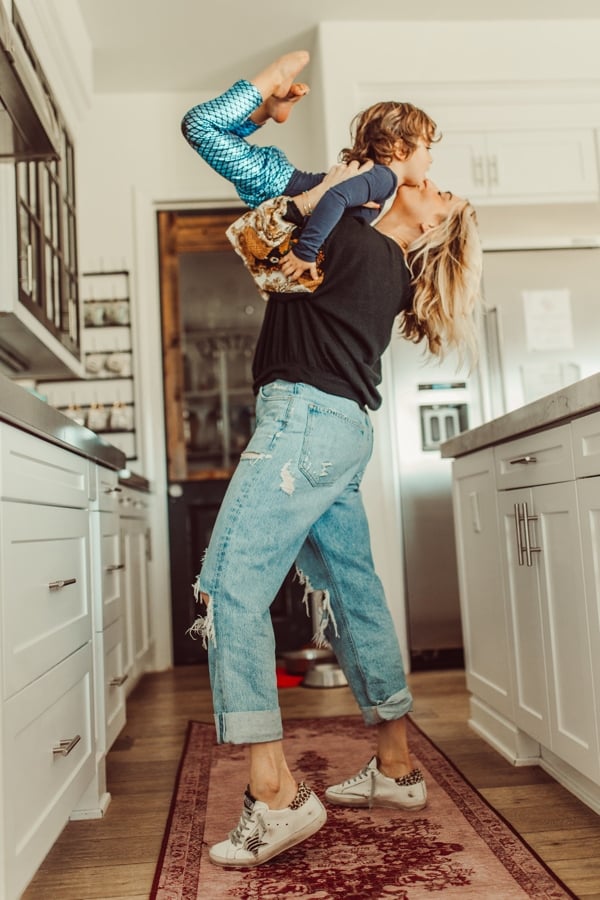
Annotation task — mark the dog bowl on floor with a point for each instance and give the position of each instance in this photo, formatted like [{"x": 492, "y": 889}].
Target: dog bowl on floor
[
  {"x": 325, "y": 675},
  {"x": 297, "y": 662}
]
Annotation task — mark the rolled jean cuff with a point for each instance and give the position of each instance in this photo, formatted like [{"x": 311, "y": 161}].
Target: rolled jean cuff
[
  {"x": 395, "y": 707},
  {"x": 248, "y": 727}
]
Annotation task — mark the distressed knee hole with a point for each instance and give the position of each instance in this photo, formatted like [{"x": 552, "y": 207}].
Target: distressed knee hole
[{"x": 320, "y": 601}]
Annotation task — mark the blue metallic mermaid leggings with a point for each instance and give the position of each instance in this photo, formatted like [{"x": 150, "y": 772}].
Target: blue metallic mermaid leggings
[{"x": 217, "y": 131}]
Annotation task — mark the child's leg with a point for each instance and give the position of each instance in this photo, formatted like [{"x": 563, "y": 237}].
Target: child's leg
[
  {"x": 217, "y": 130},
  {"x": 276, "y": 85}
]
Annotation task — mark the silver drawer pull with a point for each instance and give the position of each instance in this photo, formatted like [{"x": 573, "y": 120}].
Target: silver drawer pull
[
  {"x": 523, "y": 461},
  {"x": 118, "y": 682},
  {"x": 65, "y": 747},
  {"x": 63, "y": 582},
  {"x": 113, "y": 490},
  {"x": 115, "y": 568}
]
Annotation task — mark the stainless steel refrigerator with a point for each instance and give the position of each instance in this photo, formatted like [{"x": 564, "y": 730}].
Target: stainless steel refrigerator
[
  {"x": 542, "y": 321},
  {"x": 540, "y": 331}
]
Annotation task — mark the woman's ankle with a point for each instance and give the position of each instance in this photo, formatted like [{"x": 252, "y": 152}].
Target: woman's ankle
[{"x": 276, "y": 797}]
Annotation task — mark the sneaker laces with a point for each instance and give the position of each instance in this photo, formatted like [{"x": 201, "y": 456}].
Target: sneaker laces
[
  {"x": 367, "y": 771},
  {"x": 248, "y": 818}
]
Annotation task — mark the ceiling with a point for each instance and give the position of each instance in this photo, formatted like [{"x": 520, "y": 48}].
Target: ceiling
[{"x": 184, "y": 45}]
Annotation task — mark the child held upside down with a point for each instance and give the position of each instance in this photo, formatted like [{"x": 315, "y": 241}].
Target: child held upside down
[{"x": 394, "y": 136}]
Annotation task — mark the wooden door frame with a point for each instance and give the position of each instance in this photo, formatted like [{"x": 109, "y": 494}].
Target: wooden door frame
[{"x": 179, "y": 233}]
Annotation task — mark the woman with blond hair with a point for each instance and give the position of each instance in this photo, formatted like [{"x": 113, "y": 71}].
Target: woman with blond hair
[{"x": 295, "y": 495}]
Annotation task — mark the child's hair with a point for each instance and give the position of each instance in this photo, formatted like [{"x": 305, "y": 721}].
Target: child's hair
[
  {"x": 379, "y": 129},
  {"x": 446, "y": 263}
]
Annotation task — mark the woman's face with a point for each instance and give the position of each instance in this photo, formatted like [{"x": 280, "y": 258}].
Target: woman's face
[{"x": 425, "y": 205}]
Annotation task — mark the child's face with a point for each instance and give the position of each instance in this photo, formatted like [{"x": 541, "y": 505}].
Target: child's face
[
  {"x": 416, "y": 166},
  {"x": 425, "y": 206}
]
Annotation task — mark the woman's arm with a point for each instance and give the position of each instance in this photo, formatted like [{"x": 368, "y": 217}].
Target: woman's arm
[{"x": 372, "y": 186}]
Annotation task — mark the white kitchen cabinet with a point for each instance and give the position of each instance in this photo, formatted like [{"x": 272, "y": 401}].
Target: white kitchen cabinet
[
  {"x": 483, "y": 609},
  {"x": 47, "y": 750},
  {"x": 49, "y": 759},
  {"x": 108, "y": 618},
  {"x": 44, "y": 580},
  {"x": 541, "y": 548},
  {"x": 138, "y": 637},
  {"x": 586, "y": 445},
  {"x": 554, "y": 689},
  {"x": 547, "y": 487},
  {"x": 36, "y": 471},
  {"x": 588, "y": 492},
  {"x": 518, "y": 166},
  {"x": 109, "y": 679}
]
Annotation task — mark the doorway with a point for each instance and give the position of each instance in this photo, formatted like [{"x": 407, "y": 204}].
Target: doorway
[{"x": 211, "y": 314}]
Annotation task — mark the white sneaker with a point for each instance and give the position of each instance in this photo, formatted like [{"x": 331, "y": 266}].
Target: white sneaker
[
  {"x": 371, "y": 788},
  {"x": 262, "y": 833}
]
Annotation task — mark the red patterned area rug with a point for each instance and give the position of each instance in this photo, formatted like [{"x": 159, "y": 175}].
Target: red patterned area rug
[{"x": 458, "y": 846}]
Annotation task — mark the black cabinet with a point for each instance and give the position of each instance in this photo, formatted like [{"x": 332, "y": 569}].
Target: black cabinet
[{"x": 193, "y": 508}]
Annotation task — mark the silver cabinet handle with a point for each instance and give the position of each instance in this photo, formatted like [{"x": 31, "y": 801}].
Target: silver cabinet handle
[
  {"x": 115, "y": 568},
  {"x": 492, "y": 167},
  {"x": 61, "y": 583},
  {"x": 113, "y": 490},
  {"x": 528, "y": 548},
  {"x": 29, "y": 269},
  {"x": 518, "y": 521},
  {"x": 119, "y": 681},
  {"x": 523, "y": 461},
  {"x": 522, "y": 520},
  {"x": 478, "y": 171},
  {"x": 65, "y": 747}
]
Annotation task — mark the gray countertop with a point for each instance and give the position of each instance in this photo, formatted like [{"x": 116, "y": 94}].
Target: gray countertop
[
  {"x": 23, "y": 410},
  {"x": 567, "y": 403}
]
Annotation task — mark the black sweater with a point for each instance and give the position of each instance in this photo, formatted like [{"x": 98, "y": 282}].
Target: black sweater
[{"x": 334, "y": 338}]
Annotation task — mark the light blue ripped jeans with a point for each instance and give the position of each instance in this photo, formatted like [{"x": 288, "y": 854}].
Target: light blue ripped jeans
[{"x": 295, "y": 497}]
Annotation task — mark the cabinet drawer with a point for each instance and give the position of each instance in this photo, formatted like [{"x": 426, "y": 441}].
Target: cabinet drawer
[
  {"x": 35, "y": 471},
  {"x": 114, "y": 681},
  {"x": 542, "y": 458},
  {"x": 133, "y": 504},
  {"x": 108, "y": 569},
  {"x": 41, "y": 787},
  {"x": 586, "y": 445},
  {"x": 107, "y": 490},
  {"x": 44, "y": 582}
]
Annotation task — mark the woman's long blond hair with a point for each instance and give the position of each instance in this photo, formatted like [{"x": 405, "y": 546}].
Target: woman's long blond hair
[{"x": 445, "y": 263}]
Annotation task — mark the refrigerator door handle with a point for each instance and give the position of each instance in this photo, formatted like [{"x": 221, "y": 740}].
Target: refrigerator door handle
[{"x": 495, "y": 364}]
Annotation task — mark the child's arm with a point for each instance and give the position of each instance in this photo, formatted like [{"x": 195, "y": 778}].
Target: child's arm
[{"x": 373, "y": 186}]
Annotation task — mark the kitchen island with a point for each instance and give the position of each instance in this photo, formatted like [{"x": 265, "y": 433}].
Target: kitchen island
[
  {"x": 76, "y": 624},
  {"x": 526, "y": 493}
]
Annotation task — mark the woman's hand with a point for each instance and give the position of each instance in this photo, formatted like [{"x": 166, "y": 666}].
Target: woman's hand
[
  {"x": 293, "y": 268},
  {"x": 342, "y": 172}
]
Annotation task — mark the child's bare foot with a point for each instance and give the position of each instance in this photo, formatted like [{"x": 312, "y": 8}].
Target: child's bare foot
[
  {"x": 289, "y": 66},
  {"x": 279, "y": 108},
  {"x": 277, "y": 79}
]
